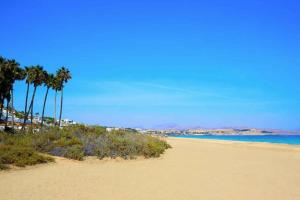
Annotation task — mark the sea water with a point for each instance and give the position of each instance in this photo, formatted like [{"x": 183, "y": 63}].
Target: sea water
[{"x": 279, "y": 139}]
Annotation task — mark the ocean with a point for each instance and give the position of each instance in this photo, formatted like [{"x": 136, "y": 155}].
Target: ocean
[{"x": 278, "y": 139}]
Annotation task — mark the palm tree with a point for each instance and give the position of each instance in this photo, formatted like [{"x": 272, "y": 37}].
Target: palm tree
[
  {"x": 48, "y": 82},
  {"x": 29, "y": 79},
  {"x": 18, "y": 75},
  {"x": 2, "y": 84},
  {"x": 38, "y": 79},
  {"x": 12, "y": 72},
  {"x": 56, "y": 86},
  {"x": 64, "y": 76}
]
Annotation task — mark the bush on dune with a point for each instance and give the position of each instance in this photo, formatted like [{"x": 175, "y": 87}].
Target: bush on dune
[
  {"x": 123, "y": 144},
  {"x": 76, "y": 142},
  {"x": 3, "y": 167},
  {"x": 21, "y": 156}
]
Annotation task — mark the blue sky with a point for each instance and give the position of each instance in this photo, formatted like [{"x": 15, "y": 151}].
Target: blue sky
[{"x": 163, "y": 63}]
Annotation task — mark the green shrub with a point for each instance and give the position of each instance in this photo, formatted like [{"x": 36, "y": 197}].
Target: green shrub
[
  {"x": 75, "y": 152},
  {"x": 3, "y": 167},
  {"x": 21, "y": 156},
  {"x": 154, "y": 148},
  {"x": 67, "y": 141}
]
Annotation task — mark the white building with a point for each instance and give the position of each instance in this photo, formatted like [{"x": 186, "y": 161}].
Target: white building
[
  {"x": 67, "y": 122},
  {"x": 109, "y": 129},
  {"x": 3, "y": 117}
]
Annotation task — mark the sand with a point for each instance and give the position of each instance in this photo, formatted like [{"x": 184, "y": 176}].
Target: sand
[{"x": 193, "y": 169}]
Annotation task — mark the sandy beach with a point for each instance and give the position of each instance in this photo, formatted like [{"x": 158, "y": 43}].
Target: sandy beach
[{"x": 192, "y": 169}]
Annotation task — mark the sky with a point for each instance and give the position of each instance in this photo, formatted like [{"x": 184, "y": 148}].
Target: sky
[{"x": 163, "y": 64}]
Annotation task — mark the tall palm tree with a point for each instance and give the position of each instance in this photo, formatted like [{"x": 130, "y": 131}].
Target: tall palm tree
[
  {"x": 48, "y": 82},
  {"x": 56, "y": 86},
  {"x": 12, "y": 73},
  {"x": 18, "y": 75},
  {"x": 29, "y": 79},
  {"x": 64, "y": 75},
  {"x": 2, "y": 84},
  {"x": 38, "y": 79}
]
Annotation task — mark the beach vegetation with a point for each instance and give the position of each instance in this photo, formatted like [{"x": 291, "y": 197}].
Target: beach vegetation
[{"x": 76, "y": 142}]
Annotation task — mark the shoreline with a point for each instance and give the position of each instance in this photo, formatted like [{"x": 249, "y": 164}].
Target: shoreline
[
  {"x": 266, "y": 145},
  {"x": 238, "y": 141}
]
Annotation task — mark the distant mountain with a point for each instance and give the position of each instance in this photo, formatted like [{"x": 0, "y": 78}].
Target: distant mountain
[
  {"x": 279, "y": 131},
  {"x": 168, "y": 126}
]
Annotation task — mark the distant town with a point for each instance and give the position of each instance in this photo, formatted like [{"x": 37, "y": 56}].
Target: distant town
[
  {"x": 209, "y": 131},
  {"x": 203, "y": 131},
  {"x": 17, "y": 118}
]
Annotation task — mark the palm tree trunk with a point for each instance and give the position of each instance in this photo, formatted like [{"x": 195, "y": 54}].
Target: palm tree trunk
[
  {"x": 26, "y": 100},
  {"x": 31, "y": 117},
  {"x": 31, "y": 106},
  {"x": 2, "y": 105},
  {"x": 6, "y": 118},
  {"x": 61, "y": 105},
  {"x": 44, "y": 106},
  {"x": 55, "y": 107},
  {"x": 12, "y": 109}
]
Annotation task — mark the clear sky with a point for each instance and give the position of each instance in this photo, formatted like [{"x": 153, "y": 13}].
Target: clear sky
[{"x": 163, "y": 63}]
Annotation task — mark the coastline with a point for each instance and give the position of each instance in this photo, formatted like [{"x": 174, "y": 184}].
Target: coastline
[
  {"x": 266, "y": 145},
  {"x": 192, "y": 169}
]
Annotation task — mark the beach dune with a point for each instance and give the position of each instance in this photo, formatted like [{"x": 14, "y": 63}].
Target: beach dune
[{"x": 192, "y": 169}]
